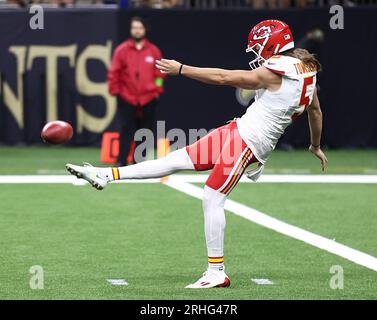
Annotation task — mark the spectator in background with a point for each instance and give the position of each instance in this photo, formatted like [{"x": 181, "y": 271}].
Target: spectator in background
[
  {"x": 16, "y": 3},
  {"x": 270, "y": 4},
  {"x": 163, "y": 4},
  {"x": 137, "y": 83},
  {"x": 156, "y": 4}
]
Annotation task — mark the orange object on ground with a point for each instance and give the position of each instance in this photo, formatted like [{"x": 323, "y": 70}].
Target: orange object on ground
[
  {"x": 130, "y": 157},
  {"x": 110, "y": 147}
]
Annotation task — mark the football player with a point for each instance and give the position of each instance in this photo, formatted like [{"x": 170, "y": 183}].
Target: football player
[{"x": 284, "y": 78}]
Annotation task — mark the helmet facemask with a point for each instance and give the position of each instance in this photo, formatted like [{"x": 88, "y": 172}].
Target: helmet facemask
[{"x": 257, "y": 49}]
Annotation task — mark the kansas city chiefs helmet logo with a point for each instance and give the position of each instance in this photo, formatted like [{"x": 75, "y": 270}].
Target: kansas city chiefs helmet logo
[{"x": 262, "y": 32}]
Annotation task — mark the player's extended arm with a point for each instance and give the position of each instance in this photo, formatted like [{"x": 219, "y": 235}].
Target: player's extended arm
[
  {"x": 256, "y": 79},
  {"x": 235, "y": 78},
  {"x": 315, "y": 125}
]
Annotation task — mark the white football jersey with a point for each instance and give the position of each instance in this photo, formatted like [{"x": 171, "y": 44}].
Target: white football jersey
[{"x": 272, "y": 111}]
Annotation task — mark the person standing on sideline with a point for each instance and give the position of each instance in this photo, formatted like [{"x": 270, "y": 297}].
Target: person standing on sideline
[{"x": 136, "y": 82}]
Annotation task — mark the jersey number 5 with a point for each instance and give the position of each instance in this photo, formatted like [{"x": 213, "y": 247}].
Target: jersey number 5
[{"x": 304, "y": 99}]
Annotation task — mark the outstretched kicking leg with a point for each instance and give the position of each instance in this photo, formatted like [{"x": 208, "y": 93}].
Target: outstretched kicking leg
[
  {"x": 100, "y": 177},
  {"x": 203, "y": 154}
]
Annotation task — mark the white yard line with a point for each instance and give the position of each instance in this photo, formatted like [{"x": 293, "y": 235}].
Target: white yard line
[
  {"x": 58, "y": 179},
  {"x": 264, "y": 220},
  {"x": 201, "y": 178}
]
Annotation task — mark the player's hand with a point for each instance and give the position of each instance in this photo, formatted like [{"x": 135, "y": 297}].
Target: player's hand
[
  {"x": 320, "y": 155},
  {"x": 168, "y": 66}
]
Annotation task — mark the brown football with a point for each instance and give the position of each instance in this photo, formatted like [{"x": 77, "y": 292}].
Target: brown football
[{"x": 57, "y": 132}]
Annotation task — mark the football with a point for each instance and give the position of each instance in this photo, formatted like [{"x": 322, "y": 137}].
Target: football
[{"x": 57, "y": 132}]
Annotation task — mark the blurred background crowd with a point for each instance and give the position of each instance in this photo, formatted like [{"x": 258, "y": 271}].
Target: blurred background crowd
[{"x": 199, "y": 4}]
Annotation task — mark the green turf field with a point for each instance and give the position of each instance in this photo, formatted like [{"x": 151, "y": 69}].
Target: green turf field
[{"x": 152, "y": 235}]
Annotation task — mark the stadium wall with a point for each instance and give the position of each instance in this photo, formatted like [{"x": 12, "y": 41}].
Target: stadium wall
[{"x": 60, "y": 72}]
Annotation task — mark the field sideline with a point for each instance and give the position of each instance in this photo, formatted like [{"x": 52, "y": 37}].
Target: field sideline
[{"x": 82, "y": 237}]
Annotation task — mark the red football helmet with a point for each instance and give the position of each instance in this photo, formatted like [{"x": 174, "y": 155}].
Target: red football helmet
[{"x": 267, "y": 38}]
